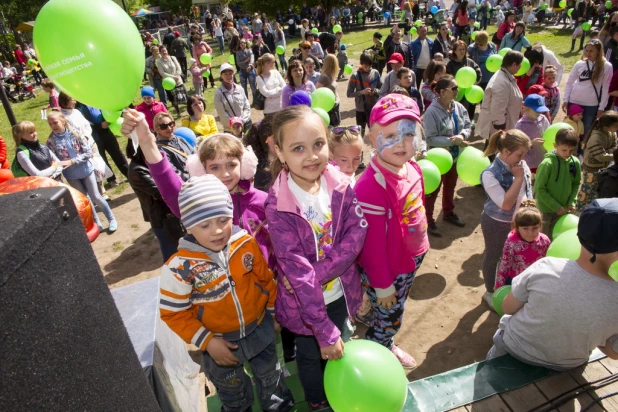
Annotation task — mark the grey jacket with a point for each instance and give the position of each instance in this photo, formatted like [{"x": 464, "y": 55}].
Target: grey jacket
[
  {"x": 244, "y": 58},
  {"x": 441, "y": 125},
  {"x": 232, "y": 103}
]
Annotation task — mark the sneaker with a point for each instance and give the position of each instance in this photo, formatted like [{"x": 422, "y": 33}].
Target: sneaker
[
  {"x": 100, "y": 227},
  {"x": 406, "y": 360},
  {"x": 433, "y": 230},
  {"x": 113, "y": 226},
  {"x": 488, "y": 297},
  {"x": 454, "y": 219},
  {"x": 366, "y": 319}
]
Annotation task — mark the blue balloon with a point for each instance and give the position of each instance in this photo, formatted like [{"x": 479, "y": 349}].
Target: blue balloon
[
  {"x": 245, "y": 20},
  {"x": 300, "y": 97},
  {"x": 434, "y": 10},
  {"x": 387, "y": 15},
  {"x": 187, "y": 134}
]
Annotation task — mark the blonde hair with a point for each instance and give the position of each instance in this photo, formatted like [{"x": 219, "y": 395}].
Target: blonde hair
[
  {"x": 510, "y": 140},
  {"x": 21, "y": 129},
  {"x": 56, "y": 114},
  {"x": 335, "y": 141},
  {"x": 527, "y": 215},
  {"x": 266, "y": 57},
  {"x": 550, "y": 70},
  {"x": 220, "y": 144},
  {"x": 157, "y": 119},
  {"x": 330, "y": 66},
  {"x": 281, "y": 119},
  {"x": 482, "y": 38}
]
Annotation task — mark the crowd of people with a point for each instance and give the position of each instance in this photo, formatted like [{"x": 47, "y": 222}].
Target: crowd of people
[{"x": 278, "y": 226}]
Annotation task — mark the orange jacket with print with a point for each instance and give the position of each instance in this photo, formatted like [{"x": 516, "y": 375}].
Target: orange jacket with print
[{"x": 202, "y": 297}]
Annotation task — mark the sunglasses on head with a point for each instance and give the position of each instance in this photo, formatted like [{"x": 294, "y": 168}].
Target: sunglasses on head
[
  {"x": 164, "y": 126},
  {"x": 356, "y": 129}
]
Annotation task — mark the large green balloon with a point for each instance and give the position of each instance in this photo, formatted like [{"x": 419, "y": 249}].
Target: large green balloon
[
  {"x": 367, "y": 379},
  {"x": 206, "y": 73},
  {"x": 493, "y": 63},
  {"x": 280, "y": 49},
  {"x": 465, "y": 77},
  {"x": 586, "y": 26},
  {"x": 475, "y": 94},
  {"x": 473, "y": 35},
  {"x": 431, "y": 175},
  {"x": 418, "y": 23},
  {"x": 323, "y": 98},
  {"x": 92, "y": 50},
  {"x": 563, "y": 3},
  {"x": 613, "y": 271},
  {"x": 336, "y": 28},
  {"x": 549, "y": 136},
  {"x": 498, "y": 298},
  {"x": 441, "y": 158},
  {"x": 564, "y": 223},
  {"x": 565, "y": 246},
  {"x": 169, "y": 83},
  {"x": 525, "y": 66},
  {"x": 111, "y": 116},
  {"x": 315, "y": 30},
  {"x": 348, "y": 69},
  {"x": 477, "y": 25},
  {"x": 116, "y": 126},
  {"x": 569, "y": 11},
  {"x": 504, "y": 51},
  {"x": 205, "y": 58},
  {"x": 323, "y": 114},
  {"x": 608, "y": 4},
  {"x": 231, "y": 60},
  {"x": 413, "y": 31},
  {"x": 460, "y": 94},
  {"x": 470, "y": 164}
]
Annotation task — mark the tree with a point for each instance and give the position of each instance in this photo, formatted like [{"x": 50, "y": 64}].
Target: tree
[
  {"x": 174, "y": 6},
  {"x": 17, "y": 11},
  {"x": 132, "y": 5}
]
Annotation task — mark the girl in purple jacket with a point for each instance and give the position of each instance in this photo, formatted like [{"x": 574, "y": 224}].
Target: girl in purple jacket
[{"x": 317, "y": 229}]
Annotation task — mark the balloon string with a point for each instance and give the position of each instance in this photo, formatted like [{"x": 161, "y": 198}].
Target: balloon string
[{"x": 133, "y": 135}]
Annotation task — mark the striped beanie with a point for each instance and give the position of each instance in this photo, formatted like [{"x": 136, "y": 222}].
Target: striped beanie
[{"x": 202, "y": 198}]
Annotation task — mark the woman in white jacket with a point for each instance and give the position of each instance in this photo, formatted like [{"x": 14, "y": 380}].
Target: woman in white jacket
[
  {"x": 588, "y": 83},
  {"x": 501, "y": 104},
  {"x": 269, "y": 83}
]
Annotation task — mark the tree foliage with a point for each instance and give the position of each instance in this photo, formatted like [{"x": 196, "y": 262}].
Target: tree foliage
[
  {"x": 17, "y": 11},
  {"x": 271, "y": 7},
  {"x": 174, "y": 6}
]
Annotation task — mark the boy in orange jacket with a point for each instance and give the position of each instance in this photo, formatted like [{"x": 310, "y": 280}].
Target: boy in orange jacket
[{"x": 218, "y": 294}]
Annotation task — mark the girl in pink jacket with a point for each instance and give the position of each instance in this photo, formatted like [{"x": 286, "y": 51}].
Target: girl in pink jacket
[{"x": 391, "y": 195}]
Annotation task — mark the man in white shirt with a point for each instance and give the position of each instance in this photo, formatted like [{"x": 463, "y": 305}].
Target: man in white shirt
[{"x": 422, "y": 53}]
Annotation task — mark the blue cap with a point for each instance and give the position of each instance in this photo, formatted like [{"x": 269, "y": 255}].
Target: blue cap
[
  {"x": 148, "y": 91},
  {"x": 342, "y": 47},
  {"x": 536, "y": 102}
]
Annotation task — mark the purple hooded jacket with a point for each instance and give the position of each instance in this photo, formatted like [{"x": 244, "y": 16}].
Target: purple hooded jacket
[
  {"x": 248, "y": 207},
  {"x": 294, "y": 244}
]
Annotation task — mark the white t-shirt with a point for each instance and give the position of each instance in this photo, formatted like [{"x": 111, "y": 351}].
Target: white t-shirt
[
  {"x": 425, "y": 57},
  {"x": 316, "y": 209},
  {"x": 567, "y": 313}
]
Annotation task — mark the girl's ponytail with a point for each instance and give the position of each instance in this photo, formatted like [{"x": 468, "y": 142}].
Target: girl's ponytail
[{"x": 510, "y": 140}]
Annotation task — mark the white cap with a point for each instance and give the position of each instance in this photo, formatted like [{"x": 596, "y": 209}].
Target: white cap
[
  {"x": 226, "y": 66},
  {"x": 191, "y": 61}
]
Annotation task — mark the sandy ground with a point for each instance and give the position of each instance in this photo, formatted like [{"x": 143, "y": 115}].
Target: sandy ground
[{"x": 446, "y": 324}]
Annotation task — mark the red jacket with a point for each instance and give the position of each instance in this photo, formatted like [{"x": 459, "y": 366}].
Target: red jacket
[
  {"x": 525, "y": 82},
  {"x": 151, "y": 111}
]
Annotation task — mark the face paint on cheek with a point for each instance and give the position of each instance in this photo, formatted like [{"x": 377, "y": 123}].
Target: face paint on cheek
[
  {"x": 385, "y": 144},
  {"x": 407, "y": 127}
]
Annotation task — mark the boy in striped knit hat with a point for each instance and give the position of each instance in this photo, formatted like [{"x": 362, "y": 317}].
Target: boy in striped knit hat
[{"x": 218, "y": 293}]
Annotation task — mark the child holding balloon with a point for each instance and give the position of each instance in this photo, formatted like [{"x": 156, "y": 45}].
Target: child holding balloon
[
  {"x": 524, "y": 245},
  {"x": 318, "y": 230},
  {"x": 391, "y": 195}
]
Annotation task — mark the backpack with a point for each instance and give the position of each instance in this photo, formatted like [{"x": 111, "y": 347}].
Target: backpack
[
  {"x": 16, "y": 167},
  {"x": 259, "y": 99}
]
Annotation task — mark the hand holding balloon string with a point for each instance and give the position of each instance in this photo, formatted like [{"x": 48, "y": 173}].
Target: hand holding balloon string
[{"x": 136, "y": 127}]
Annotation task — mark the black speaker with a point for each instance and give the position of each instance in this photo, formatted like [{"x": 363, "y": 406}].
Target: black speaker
[{"x": 63, "y": 346}]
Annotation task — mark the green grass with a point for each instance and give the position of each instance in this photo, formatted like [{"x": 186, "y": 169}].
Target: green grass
[{"x": 559, "y": 41}]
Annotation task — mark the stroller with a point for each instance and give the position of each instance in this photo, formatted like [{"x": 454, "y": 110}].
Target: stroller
[
  {"x": 434, "y": 20},
  {"x": 23, "y": 89}
]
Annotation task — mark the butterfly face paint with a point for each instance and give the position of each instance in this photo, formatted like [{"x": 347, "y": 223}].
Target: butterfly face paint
[{"x": 406, "y": 128}]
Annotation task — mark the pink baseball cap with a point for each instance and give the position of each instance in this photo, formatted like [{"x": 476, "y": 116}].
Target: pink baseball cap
[
  {"x": 394, "y": 107},
  {"x": 235, "y": 120}
]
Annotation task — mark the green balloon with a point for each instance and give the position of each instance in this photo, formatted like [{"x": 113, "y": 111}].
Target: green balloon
[
  {"x": 418, "y": 23},
  {"x": 413, "y": 30},
  {"x": 569, "y": 11},
  {"x": 586, "y": 26},
  {"x": 460, "y": 94},
  {"x": 116, "y": 126},
  {"x": 441, "y": 158},
  {"x": 473, "y": 35},
  {"x": 231, "y": 60},
  {"x": 475, "y": 94},
  {"x": 465, "y": 77},
  {"x": 110, "y": 117},
  {"x": 504, "y": 51},
  {"x": 563, "y": 3},
  {"x": 493, "y": 63},
  {"x": 348, "y": 69},
  {"x": 431, "y": 175},
  {"x": 78, "y": 51},
  {"x": 169, "y": 83},
  {"x": 206, "y": 73},
  {"x": 31, "y": 62},
  {"x": 205, "y": 58},
  {"x": 498, "y": 298},
  {"x": 360, "y": 15},
  {"x": 155, "y": 41},
  {"x": 470, "y": 164},
  {"x": 608, "y": 4},
  {"x": 549, "y": 135},
  {"x": 367, "y": 379},
  {"x": 565, "y": 246},
  {"x": 477, "y": 25},
  {"x": 323, "y": 114},
  {"x": 525, "y": 66},
  {"x": 564, "y": 223},
  {"x": 613, "y": 271},
  {"x": 323, "y": 98},
  {"x": 280, "y": 50},
  {"x": 336, "y": 28},
  {"x": 314, "y": 30}
]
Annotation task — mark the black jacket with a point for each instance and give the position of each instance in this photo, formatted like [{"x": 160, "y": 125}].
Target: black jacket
[
  {"x": 608, "y": 182},
  {"x": 611, "y": 53},
  {"x": 402, "y": 47},
  {"x": 177, "y": 150},
  {"x": 154, "y": 208}
]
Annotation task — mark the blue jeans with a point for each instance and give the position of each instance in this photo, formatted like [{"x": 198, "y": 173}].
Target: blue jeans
[
  {"x": 88, "y": 186},
  {"x": 168, "y": 248},
  {"x": 234, "y": 386},
  {"x": 160, "y": 91},
  {"x": 221, "y": 44},
  {"x": 590, "y": 114},
  {"x": 284, "y": 64},
  {"x": 244, "y": 76},
  {"x": 484, "y": 22}
]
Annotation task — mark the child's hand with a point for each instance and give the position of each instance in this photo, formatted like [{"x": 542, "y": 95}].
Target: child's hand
[
  {"x": 571, "y": 209},
  {"x": 517, "y": 171},
  {"x": 286, "y": 285},
  {"x": 277, "y": 326},
  {"x": 561, "y": 211},
  {"x": 538, "y": 142},
  {"x": 333, "y": 352},
  {"x": 66, "y": 163},
  {"x": 219, "y": 351},
  {"x": 387, "y": 302}
]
